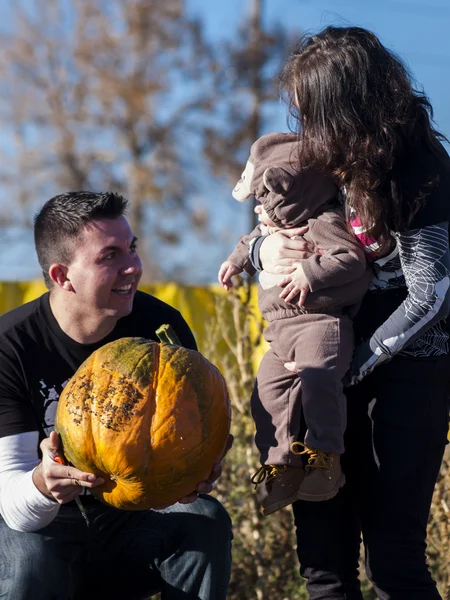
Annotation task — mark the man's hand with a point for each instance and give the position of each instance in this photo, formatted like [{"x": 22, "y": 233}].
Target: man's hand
[
  {"x": 205, "y": 487},
  {"x": 226, "y": 272},
  {"x": 60, "y": 482},
  {"x": 279, "y": 251},
  {"x": 295, "y": 285}
]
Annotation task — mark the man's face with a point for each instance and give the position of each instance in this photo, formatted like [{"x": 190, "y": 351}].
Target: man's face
[{"x": 105, "y": 269}]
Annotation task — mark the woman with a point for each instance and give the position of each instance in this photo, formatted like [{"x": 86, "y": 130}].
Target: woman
[{"x": 362, "y": 121}]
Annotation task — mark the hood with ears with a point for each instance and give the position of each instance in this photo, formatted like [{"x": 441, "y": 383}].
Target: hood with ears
[{"x": 273, "y": 176}]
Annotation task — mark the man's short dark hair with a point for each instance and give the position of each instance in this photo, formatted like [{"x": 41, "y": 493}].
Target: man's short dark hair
[{"x": 62, "y": 218}]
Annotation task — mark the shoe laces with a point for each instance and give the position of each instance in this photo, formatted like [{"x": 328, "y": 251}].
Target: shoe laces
[
  {"x": 267, "y": 473},
  {"x": 317, "y": 459}
]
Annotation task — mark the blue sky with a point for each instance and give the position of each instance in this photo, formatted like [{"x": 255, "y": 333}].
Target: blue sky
[{"x": 417, "y": 30}]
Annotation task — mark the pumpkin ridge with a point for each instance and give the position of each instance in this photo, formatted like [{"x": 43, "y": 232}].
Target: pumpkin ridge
[
  {"x": 146, "y": 378},
  {"x": 90, "y": 434},
  {"x": 137, "y": 369},
  {"x": 173, "y": 385},
  {"x": 117, "y": 357},
  {"x": 91, "y": 439},
  {"x": 199, "y": 386}
]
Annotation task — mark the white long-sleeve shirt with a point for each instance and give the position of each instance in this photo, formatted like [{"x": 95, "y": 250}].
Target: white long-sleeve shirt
[{"x": 22, "y": 506}]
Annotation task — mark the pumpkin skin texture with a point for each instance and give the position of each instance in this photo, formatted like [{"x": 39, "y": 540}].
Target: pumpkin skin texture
[{"x": 151, "y": 419}]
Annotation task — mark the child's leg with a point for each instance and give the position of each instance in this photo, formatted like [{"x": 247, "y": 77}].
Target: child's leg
[
  {"x": 276, "y": 410},
  {"x": 322, "y": 348}
]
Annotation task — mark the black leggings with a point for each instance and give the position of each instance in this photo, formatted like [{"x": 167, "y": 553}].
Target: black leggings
[{"x": 395, "y": 440}]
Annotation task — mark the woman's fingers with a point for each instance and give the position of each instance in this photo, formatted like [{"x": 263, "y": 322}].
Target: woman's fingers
[
  {"x": 301, "y": 248},
  {"x": 279, "y": 250},
  {"x": 290, "y": 246},
  {"x": 297, "y": 231}
]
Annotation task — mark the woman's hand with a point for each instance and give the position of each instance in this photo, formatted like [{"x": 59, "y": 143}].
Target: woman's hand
[
  {"x": 205, "y": 487},
  {"x": 60, "y": 482},
  {"x": 295, "y": 285},
  {"x": 279, "y": 251}
]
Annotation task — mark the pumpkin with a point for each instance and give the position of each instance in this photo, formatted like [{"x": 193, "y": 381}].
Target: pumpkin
[{"x": 150, "y": 418}]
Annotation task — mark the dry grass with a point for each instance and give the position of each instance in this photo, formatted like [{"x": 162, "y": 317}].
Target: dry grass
[{"x": 264, "y": 559}]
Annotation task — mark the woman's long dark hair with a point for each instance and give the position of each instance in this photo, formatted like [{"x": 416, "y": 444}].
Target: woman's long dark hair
[{"x": 363, "y": 121}]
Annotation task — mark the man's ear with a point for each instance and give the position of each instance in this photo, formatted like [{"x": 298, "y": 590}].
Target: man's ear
[
  {"x": 277, "y": 180},
  {"x": 59, "y": 275}
]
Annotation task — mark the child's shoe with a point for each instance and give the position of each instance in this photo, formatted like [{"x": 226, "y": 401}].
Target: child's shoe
[
  {"x": 281, "y": 485},
  {"x": 324, "y": 476}
]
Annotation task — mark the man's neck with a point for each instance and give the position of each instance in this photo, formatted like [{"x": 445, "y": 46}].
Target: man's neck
[{"x": 83, "y": 328}]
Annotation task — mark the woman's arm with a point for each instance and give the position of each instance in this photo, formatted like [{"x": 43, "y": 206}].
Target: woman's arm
[
  {"x": 277, "y": 253},
  {"x": 425, "y": 259}
]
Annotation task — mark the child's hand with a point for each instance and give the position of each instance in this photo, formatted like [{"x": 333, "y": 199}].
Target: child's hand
[
  {"x": 295, "y": 284},
  {"x": 226, "y": 272}
]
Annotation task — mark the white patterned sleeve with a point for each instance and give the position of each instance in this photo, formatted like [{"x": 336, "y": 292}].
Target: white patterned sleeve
[{"x": 425, "y": 259}]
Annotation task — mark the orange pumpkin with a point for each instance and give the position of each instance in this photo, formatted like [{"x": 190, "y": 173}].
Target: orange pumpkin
[{"x": 151, "y": 419}]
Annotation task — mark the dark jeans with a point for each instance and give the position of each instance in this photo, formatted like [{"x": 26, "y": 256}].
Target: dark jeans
[
  {"x": 395, "y": 439},
  {"x": 183, "y": 551}
]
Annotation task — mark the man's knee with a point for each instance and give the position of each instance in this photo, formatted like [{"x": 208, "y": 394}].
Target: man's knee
[
  {"x": 29, "y": 569},
  {"x": 214, "y": 511},
  {"x": 206, "y": 517}
]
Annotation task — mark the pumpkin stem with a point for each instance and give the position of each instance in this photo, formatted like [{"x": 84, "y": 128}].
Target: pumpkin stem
[{"x": 167, "y": 335}]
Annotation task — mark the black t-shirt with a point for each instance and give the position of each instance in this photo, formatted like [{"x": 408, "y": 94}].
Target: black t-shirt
[{"x": 37, "y": 358}]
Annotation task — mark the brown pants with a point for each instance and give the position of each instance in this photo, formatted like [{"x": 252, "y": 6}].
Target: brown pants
[{"x": 321, "y": 346}]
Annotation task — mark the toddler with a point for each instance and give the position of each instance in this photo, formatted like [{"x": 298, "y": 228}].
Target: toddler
[{"x": 311, "y": 339}]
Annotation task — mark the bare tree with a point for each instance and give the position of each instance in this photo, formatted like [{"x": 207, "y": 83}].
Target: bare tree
[
  {"x": 264, "y": 560},
  {"x": 123, "y": 95},
  {"x": 246, "y": 84},
  {"x": 105, "y": 94}
]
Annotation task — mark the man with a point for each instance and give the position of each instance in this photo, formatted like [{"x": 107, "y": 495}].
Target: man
[{"x": 88, "y": 256}]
